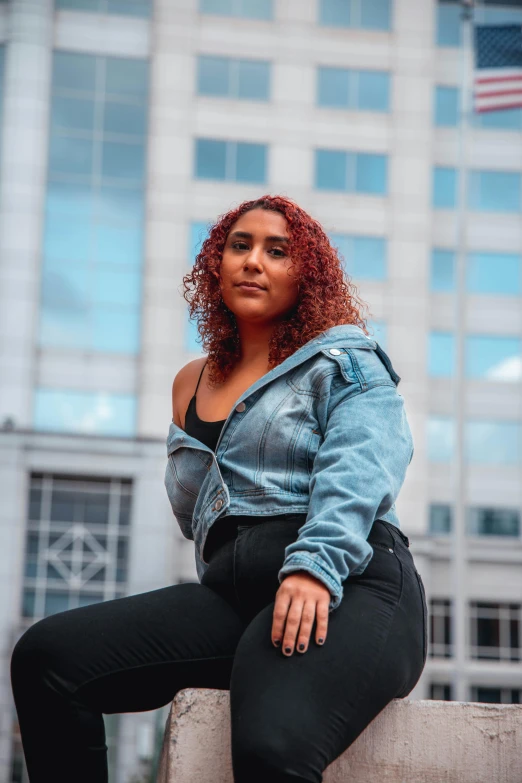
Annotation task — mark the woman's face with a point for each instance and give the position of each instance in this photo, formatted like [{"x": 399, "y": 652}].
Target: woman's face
[{"x": 258, "y": 250}]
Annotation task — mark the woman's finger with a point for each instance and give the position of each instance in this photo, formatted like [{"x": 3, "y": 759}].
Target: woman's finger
[
  {"x": 282, "y": 604},
  {"x": 321, "y": 616},
  {"x": 293, "y": 621},
  {"x": 305, "y": 629}
]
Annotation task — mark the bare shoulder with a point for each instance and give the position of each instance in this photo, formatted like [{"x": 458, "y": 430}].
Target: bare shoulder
[{"x": 183, "y": 388}]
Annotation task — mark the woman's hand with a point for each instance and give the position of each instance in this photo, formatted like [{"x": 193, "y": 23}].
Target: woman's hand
[{"x": 300, "y": 600}]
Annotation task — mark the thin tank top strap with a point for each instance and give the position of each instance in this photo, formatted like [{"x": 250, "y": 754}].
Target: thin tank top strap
[{"x": 201, "y": 373}]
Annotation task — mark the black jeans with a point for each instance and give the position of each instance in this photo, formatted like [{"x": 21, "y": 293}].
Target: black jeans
[{"x": 291, "y": 716}]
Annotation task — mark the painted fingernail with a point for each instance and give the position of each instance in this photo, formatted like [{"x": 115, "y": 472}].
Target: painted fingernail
[
  {"x": 320, "y": 641},
  {"x": 301, "y": 646},
  {"x": 277, "y": 642},
  {"x": 288, "y": 650}
]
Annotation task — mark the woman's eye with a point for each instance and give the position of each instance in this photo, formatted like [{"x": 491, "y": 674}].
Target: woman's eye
[
  {"x": 240, "y": 246},
  {"x": 277, "y": 251}
]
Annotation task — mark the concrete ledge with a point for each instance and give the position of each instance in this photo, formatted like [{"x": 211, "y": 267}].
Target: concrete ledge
[{"x": 414, "y": 741}]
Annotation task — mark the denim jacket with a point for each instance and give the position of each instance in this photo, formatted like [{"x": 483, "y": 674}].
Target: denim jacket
[{"x": 325, "y": 434}]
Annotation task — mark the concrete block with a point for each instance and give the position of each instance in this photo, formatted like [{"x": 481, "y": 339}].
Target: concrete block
[{"x": 421, "y": 741}]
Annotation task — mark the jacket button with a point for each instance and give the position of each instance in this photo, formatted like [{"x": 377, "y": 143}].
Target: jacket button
[
  {"x": 241, "y": 407},
  {"x": 218, "y": 505},
  {"x": 335, "y": 351}
]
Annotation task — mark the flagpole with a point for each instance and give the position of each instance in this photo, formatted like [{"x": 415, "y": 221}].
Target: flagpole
[{"x": 458, "y": 558}]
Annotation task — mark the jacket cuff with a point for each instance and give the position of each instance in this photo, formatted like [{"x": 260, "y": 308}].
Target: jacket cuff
[{"x": 313, "y": 565}]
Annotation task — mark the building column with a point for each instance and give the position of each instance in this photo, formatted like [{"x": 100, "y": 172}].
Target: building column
[{"x": 23, "y": 165}]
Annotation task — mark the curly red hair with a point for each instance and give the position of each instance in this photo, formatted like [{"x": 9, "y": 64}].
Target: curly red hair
[{"x": 327, "y": 296}]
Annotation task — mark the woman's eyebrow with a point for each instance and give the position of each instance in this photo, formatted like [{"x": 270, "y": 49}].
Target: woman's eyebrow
[{"x": 247, "y": 235}]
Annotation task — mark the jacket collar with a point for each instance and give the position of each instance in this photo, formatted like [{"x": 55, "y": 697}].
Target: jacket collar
[{"x": 342, "y": 336}]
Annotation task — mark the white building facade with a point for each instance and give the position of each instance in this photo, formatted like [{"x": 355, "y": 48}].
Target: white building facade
[{"x": 127, "y": 126}]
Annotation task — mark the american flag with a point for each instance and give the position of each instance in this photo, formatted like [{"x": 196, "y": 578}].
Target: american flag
[{"x": 498, "y": 67}]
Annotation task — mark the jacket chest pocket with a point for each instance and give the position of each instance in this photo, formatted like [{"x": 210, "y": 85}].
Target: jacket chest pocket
[{"x": 186, "y": 471}]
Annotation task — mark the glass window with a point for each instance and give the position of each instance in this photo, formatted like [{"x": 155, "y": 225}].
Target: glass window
[
  {"x": 333, "y": 87},
  {"x": 493, "y": 442},
  {"x": 441, "y": 434},
  {"x": 440, "y": 519},
  {"x": 364, "y": 257},
  {"x": 374, "y": 90},
  {"x": 211, "y": 159},
  {"x": 94, "y": 216},
  {"x": 495, "y": 191},
  {"x": 494, "y": 522},
  {"x": 507, "y": 119},
  {"x": 495, "y": 631},
  {"x": 494, "y": 273},
  {"x": 441, "y": 354},
  {"x": 253, "y": 81},
  {"x": 92, "y": 413},
  {"x": 330, "y": 170},
  {"x": 349, "y": 89},
  {"x": 250, "y": 162},
  {"x": 251, "y": 9},
  {"x": 122, "y": 7},
  {"x": 356, "y": 13},
  {"x": 448, "y": 24},
  {"x": 446, "y": 106},
  {"x": 494, "y": 358},
  {"x": 442, "y": 270},
  {"x": 444, "y": 188},
  {"x": 446, "y": 111},
  {"x": 227, "y": 77},
  {"x": 214, "y": 75},
  {"x": 350, "y": 171},
  {"x": 230, "y": 160},
  {"x": 371, "y": 173}
]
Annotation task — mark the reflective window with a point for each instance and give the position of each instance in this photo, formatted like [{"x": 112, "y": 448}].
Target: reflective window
[
  {"x": 198, "y": 232},
  {"x": 94, "y": 214},
  {"x": 494, "y": 273},
  {"x": 77, "y": 542},
  {"x": 493, "y": 442},
  {"x": 363, "y": 257},
  {"x": 449, "y": 24},
  {"x": 93, "y": 413},
  {"x": 446, "y": 106},
  {"x": 230, "y": 160},
  {"x": 349, "y": 89},
  {"x": 440, "y": 519},
  {"x": 495, "y": 631},
  {"x": 442, "y": 270},
  {"x": 486, "y": 273},
  {"x": 496, "y": 695},
  {"x": 352, "y": 172},
  {"x": 494, "y": 522},
  {"x": 494, "y": 358},
  {"x": 232, "y": 78},
  {"x": 356, "y": 13},
  {"x": 446, "y": 111},
  {"x": 440, "y": 437},
  {"x": 441, "y": 354},
  {"x": 444, "y": 187},
  {"x": 122, "y": 7},
  {"x": 495, "y": 191},
  {"x": 251, "y": 9}
]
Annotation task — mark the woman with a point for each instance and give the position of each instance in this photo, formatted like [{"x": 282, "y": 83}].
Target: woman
[{"x": 288, "y": 447}]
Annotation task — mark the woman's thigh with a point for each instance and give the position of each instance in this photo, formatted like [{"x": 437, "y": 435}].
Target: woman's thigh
[
  {"x": 302, "y": 712},
  {"x": 134, "y": 653}
]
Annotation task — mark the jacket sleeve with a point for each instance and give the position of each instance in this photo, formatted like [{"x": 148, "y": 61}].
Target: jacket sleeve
[{"x": 356, "y": 476}]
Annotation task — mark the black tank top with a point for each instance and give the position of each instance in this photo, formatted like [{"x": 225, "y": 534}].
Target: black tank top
[{"x": 205, "y": 431}]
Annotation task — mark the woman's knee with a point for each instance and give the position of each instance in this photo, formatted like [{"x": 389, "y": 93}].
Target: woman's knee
[
  {"x": 271, "y": 754},
  {"x": 37, "y": 650}
]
